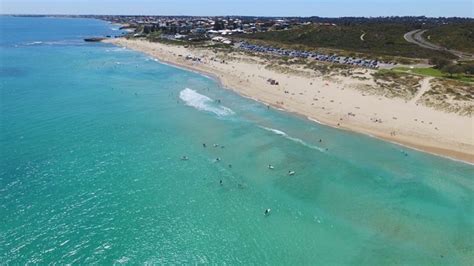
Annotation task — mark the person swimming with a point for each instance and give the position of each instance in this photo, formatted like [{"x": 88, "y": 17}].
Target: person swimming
[
  {"x": 267, "y": 212},
  {"x": 218, "y": 159},
  {"x": 270, "y": 166},
  {"x": 220, "y": 182},
  {"x": 204, "y": 145},
  {"x": 291, "y": 173},
  {"x": 184, "y": 158}
]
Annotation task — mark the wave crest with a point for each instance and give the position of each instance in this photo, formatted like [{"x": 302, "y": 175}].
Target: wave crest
[
  {"x": 34, "y": 43},
  {"x": 297, "y": 140},
  {"x": 203, "y": 103},
  {"x": 75, "y": 42}
]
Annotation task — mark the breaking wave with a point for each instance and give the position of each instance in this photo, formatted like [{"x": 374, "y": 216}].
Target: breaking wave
[
  {"x": 203, "y": 103},
  {"x": 297, "y": 140},
  {"x": 34, "y": 43},
  {"x": 116, "y": 49},
  {"x": 54, "y": 43}
]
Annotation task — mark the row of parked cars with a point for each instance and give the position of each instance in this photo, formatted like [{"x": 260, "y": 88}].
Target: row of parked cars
[{"x": 311, "y": 55}]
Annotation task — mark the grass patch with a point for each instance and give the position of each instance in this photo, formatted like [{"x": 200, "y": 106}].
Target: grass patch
[
  {"x": 429, "y": 71},
  {"x": 433, "y": 72}
]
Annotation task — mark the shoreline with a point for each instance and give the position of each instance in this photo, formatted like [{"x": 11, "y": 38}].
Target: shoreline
[{"x": 404, "y": 141}]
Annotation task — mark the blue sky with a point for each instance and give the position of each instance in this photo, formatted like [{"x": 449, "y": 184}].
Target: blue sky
[{"x": 323, "y": 8}]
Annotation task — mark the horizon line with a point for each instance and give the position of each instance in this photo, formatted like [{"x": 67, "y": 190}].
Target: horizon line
[{"x": 262, "y": 16}]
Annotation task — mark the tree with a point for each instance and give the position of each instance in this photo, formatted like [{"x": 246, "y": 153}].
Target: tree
[
  {"x": 469, "y": 69},
  {"x": 452, "y": 69},
  {"x": 439, "y": 62}
]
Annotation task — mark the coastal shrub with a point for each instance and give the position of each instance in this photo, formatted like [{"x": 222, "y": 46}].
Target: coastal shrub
[
  {"x": 458, "y": 36},
  {"x": 439, "y": 62},
  {"x": 380, "y": 39},
  {"x": 450, "y": 96}
]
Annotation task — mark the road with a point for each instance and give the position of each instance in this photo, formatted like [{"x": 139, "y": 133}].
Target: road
[{"x": 416, "y": 37}]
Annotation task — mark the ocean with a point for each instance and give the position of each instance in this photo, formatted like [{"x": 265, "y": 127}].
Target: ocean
[{"x": 110, "y": 157}]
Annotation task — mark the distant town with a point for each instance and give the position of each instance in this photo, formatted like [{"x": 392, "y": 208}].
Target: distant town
[
  {"x": 204, "y": 28},
  {"x": 359, "y": 41},
  {"x": 207, "y": 27},
  {"x": 197, "y": 28}
]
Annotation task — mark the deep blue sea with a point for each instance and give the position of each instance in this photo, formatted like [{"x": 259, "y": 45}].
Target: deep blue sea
[{"x": 92, "y": 138}]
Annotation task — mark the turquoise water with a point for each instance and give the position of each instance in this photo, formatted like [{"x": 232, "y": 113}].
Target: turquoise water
[{"x": 90, "y": 170}]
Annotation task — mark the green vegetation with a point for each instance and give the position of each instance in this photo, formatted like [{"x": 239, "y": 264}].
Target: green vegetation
[
  {"x": 185, "y": 43},
  {"x": 428, "y": 71},
  {"x": 438, "y": 73},
  {"x": 220, "y": 47},
  {"x": 379, "y": 39},
  {"x": 457, "y": 36},
  {"x": 154, "y": 36},
  {"x": 329, "y": 69}
]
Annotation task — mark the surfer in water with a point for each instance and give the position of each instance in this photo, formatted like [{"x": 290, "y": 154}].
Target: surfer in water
[{"x": 267, "y": 212}]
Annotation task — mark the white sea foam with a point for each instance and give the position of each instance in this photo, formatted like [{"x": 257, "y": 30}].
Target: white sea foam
[
  {"x": 34, "y": 43},
  {"x": 51, "y": 43},
  {"x": 116, "y": 49},
  {"x": 202, "y": 102},
  {"x": 276, "y": 131},
  {"x": 297, "y": 140}
]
